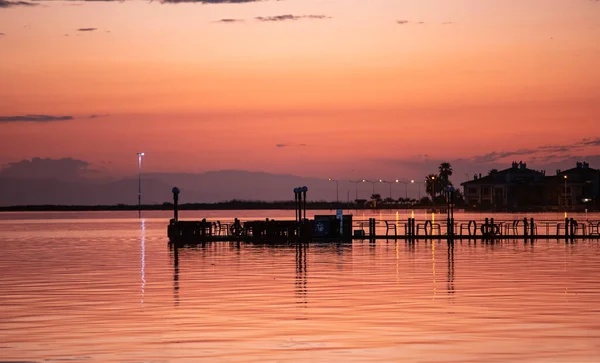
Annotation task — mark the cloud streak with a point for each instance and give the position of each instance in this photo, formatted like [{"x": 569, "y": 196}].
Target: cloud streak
[
  {"x": 289, "y": 17},
  {"x": 87, "y": 29},
  {"x": 34, "y": 118},
  {"x": 282, "y": 145},
  {"x": 11, "y": 4},
  {"x": 99, "y": 115},
  {"x": 230, "y": 21}
]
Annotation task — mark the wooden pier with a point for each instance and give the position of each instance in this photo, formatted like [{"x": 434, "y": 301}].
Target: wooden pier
[{"x": 342, "y": 228}]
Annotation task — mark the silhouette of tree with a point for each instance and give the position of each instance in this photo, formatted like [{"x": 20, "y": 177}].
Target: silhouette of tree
[
  {"x": 389, "y": 201},
  {"x": 445, "y": 174},
  {"x": 376, "y": 198},
  {"x": 492, "y": 171},
  {"x": 433, "y": 185}
]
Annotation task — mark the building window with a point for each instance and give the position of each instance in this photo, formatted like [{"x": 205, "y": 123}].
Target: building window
[
  {"x": 486, "y": 190},
  {"x": 472, "y": 190}
]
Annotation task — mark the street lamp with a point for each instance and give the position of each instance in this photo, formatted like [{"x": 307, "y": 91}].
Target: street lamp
[
  {"x": 337, "y": 196},
  {"x": 140, "y": 156},
  {"x": 370, "y": 181},
  {"x": 565, "y": 191},
  {"x": 433, "y": 190},
  {"x": 405, "y": 187},
  {"x": 356, "y": 188},
  {"x": 419, "y": 185},
  {"x": 390, "y": 183}
]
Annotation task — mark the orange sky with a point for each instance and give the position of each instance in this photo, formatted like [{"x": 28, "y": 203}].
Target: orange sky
[{"x": 356, "y": 88}]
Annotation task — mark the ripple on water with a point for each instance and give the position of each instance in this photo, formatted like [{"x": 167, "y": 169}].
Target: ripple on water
[{"x": 110, "y": 291}]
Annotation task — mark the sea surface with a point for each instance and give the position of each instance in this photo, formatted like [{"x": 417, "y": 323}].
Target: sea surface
[{"x": 106, "y": 287}]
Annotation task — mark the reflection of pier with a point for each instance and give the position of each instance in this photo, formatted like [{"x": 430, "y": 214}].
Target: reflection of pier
[
  {"x": 450, "y": 267},
  {"x": 301, "y": 273},
  {"x": 176, "y": 275}
]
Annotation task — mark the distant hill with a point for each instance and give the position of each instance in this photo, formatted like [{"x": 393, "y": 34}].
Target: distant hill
[{"x": 207, "y": 187}]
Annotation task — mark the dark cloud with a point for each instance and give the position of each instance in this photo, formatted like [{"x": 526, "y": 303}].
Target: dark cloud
[
  {"x": 34, "y": 118},
  {"x": 591, "y": 142},
  {"x": 495, "y": 156},
  {"x": 64, "y": 169},
  {"x": 287, "y": 17},
  {"x": 11, "y": 4},
  {"x": 402, "y": 22},
  {"x": 281, "y": 145},
  {"x": 87, "y": 29},
  {"x": 230, "y": 21},
  {"x": 1, "y": 34}
]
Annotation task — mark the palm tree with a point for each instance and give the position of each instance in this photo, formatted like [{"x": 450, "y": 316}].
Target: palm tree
[
  {"x": 445, "y": 174},
  {"x": 431, "y": 187}
]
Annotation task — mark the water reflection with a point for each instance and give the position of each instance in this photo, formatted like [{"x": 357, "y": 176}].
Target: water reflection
[
  {"x": 175, "y": 275},
  {"x": 143, "y": 253},
  {"x": 247, "y": 303},
  {"x": 433, "y": 266},
  {"x": 301, "y": 273},
  {"x": 451, "y": 267}
]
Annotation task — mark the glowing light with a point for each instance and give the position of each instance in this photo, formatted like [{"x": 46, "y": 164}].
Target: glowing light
[{"x": 412, "y": 214}]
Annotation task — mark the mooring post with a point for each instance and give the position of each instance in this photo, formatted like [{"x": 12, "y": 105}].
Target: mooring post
[
  {"x": 175, "y": 204},
  {"x": 304, "y": 190},
  {"x": 572, "y": 227},
  {"x": 296, "y": 203},
  {"x": 525, "y": 227},
  {"x": 486, "y": 227},
  {"x": 531, "y": 227},
  {"x": 566, "y": 227}
]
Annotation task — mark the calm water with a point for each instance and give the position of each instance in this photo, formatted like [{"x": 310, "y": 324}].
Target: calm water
[{"x": 104, "y": 287}]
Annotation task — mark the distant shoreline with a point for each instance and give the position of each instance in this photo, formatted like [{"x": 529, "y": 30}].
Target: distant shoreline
[
  {"x": 195, "y": 206},
  {"x": 260, "y": 206}
]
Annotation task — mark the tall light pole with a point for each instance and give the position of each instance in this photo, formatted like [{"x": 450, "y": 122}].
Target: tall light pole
[
  {"x": 405, "y": 182},
  {"x": 565, "y": 191},
  {"x": 433, "y": 191},
  {"x": 370, "y": 181},
  {"x": 337, "y": 195},
  {"x": 387, "y": 182},
  {"x": 140, "y": 156},
  {"x": 419, "y": 185},
  {"x": 356, "y": 188}
]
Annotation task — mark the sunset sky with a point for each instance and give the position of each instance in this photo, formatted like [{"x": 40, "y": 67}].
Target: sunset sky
[{"x": 321, "y": 88}]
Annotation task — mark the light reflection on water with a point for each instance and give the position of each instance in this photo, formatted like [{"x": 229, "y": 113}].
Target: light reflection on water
[{"x": 111, "y": 291}]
